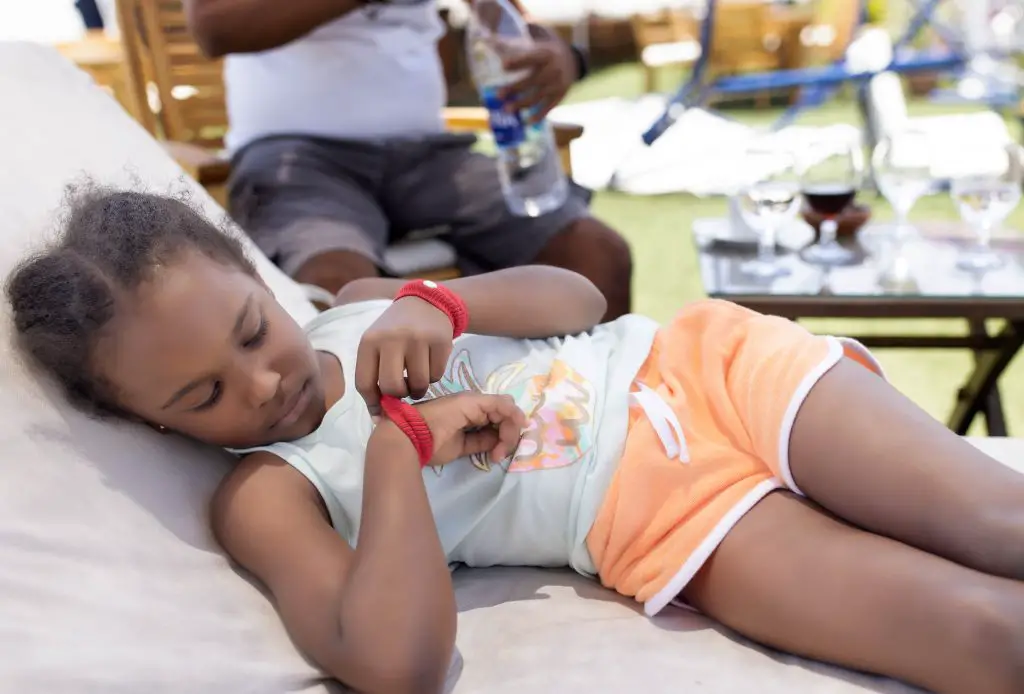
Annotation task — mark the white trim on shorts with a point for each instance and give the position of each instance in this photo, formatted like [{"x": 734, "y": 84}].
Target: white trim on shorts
[
  {"x": 708, "y": 545},
  {"x": 835, "y": 354},
  {"x": 837, "y": 347}
]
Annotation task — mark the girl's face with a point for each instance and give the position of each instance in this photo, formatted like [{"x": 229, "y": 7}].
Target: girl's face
[{"x": 204, "y": 349}]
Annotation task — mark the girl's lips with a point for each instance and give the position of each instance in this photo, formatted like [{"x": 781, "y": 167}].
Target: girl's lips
[{"x": 294, "y": 409}]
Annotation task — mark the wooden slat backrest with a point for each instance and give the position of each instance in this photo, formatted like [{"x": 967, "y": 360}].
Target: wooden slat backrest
[
  {"x": 189, "y": 87},
  {"x": 741, "y": 37},
  {"x": 663, "y": 26},
  {"x": 844, "y": 18},
  {"x": 653, "y": 28},
  {"x": 137, "y": 69}
]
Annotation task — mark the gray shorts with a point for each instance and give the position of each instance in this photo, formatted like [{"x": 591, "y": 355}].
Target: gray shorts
[{"x": 298, "y": 197}]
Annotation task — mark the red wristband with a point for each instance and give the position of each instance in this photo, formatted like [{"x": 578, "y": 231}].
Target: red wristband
[
  {"x": 442, "y": 298},
  {"x": 411, "y": 422}
]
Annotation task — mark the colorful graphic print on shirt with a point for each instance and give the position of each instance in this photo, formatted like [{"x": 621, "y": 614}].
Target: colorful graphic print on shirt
[{"x": 559, "y": 407}]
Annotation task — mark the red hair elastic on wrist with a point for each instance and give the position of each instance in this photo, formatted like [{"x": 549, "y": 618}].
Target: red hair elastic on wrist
[
  {"x": 440, "y": 297},
  {"x": 411, "y": 422}
]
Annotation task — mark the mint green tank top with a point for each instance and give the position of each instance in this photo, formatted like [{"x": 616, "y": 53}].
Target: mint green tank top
[{"x": 536, "y": 507}]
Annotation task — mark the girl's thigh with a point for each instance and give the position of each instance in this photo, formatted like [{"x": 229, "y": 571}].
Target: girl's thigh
[{"x": 795, "y": 578}]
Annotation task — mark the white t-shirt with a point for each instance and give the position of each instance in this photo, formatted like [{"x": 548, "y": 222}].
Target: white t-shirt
[
  {"x": 372, "y": 73},
  {"x": 534, "y": 508}
]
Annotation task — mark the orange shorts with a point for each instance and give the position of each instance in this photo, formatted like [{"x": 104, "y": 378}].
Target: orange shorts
[{"x": 719, "y": 394}]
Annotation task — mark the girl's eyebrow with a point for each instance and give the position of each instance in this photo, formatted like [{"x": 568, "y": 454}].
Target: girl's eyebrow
[
  {"x": 235, "y": 331},
  {"x": 240, "y": 320},
  {"x": 183, "y": 392}
]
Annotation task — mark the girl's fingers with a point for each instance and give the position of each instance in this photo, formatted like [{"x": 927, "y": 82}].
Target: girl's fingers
[
  {"x": 480, "y": 441},
  {"x": 391, "y": 376},
  {"x": 367, "y": 375},
  {"x": 417, "y": 370},
  {"x": 509, "y": 434},
  {"x": 439, "y": 354},
  {"x": 505, "y": 418}
]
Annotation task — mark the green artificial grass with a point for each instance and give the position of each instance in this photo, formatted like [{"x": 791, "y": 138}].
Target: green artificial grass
[{"x": 666, "y": 273}]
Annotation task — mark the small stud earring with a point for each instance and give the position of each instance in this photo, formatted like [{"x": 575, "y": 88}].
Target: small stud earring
[{"x": 161, "y": 428}]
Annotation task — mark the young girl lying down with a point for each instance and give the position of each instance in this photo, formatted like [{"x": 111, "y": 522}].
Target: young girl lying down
[{"x": 729, "y": 461}]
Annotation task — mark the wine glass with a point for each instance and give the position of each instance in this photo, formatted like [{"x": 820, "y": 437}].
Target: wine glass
[
  {"x": 985, "y": 191},
  {"x": 768, "y": 200},
  {"x": 902, "y": 166},
  {"x": 829, "y": 185}
]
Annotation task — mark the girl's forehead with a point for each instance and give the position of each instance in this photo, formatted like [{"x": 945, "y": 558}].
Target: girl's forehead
[
  {"x": 177, "y": 291},
  {"x": 178, "y": 324}
]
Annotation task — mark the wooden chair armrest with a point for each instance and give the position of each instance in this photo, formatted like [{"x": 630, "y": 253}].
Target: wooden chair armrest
[
  {"x": 462, "y": 119},
  {"x": 206, "y": 166},
  {"x": 474, "y": 119},
  {"x": 566, "y": 133}
]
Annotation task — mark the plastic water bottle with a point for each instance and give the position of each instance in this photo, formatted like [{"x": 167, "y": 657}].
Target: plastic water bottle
[{"x": 531, "y": 173}]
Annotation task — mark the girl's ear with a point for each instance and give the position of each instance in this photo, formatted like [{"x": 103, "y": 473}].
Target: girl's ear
[{"x": 159, "y": 428}]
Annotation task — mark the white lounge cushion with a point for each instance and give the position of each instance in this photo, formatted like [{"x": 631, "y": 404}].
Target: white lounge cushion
[{"x": 110, "y": 581}]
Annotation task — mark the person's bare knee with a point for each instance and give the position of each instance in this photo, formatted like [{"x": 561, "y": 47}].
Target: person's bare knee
[
  {"x": 600, "y": 254},
  {"x": 793, "y": 577},
  {"x": 989, "y": 626},
  {"x": 991, "y": 537},
  {"x": 334, "y": 269}
]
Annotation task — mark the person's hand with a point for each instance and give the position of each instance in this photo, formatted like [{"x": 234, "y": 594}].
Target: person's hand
[
  {"x": 403, "y": 352},
  {"x": 470, "y": 423},
  {"x": 465, "y": 424},
  {"x": 551, "y": 69}
]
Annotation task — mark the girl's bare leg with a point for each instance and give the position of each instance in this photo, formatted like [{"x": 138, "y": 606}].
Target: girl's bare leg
[
  {"x": 870, "y": 456},
  {"x": 793, "y": 577}
]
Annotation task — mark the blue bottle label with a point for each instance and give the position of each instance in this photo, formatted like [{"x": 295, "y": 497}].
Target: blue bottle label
[{"x": 508, "y": 127}]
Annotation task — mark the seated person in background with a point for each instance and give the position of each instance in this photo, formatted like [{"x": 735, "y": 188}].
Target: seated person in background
[{"x": 337, "y": 133}]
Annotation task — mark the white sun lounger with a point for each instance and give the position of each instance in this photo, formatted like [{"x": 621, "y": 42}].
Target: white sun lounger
[{"x": 109, "y": 579}]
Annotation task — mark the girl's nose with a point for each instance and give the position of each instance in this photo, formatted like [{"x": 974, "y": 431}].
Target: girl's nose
[{"x": 264, "y": 387}]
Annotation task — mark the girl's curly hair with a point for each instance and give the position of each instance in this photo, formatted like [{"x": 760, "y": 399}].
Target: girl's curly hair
[{"x": 110, "y": 241}]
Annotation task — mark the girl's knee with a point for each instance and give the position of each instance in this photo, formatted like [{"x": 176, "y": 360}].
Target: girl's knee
[
  {"x": 993, "y": 544},
  {"x": 989, "y": 625}
]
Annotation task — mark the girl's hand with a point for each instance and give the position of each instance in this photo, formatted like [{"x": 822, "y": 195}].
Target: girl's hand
[
  {"x": 403, "y": 352},
  {"x": 469, "y": 423}
]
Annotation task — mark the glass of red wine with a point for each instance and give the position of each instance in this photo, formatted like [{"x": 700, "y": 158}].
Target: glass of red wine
[{"x": 829, "y": 185}]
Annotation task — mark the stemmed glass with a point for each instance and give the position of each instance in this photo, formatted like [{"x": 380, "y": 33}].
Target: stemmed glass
[
  {"x": 829, "y": 185},
  {"x": 902, "y": 166},
  {"x": 985, "y": 192},
  {"x": 769, "y": 199}
]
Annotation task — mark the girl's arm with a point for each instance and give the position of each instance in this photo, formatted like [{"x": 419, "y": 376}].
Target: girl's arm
[
  {"x": 380, "y": 618},
  {"x": 524, "y": 302}
]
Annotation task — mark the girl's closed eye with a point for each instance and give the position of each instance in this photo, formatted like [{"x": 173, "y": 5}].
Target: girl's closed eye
[
  {"x": 212, "y": 400},
  {"x": 252, "y": 343},
  {"x": 261, "y": 333}
]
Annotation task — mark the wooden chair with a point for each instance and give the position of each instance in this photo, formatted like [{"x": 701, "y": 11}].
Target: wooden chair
[
  {"x": 704, "y": 86},
  {"x": 827, "y": 37},
  {"x": 102, "y": 57},
  {"x": 745, "y": 40},
  {"x": 663, "y": 39},
  {"x": 179, "y": 98}
]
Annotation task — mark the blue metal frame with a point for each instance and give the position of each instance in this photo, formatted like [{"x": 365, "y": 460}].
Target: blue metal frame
[
  {"x": 949, "y": 36},
  {"x": 817, "y": 83}
]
